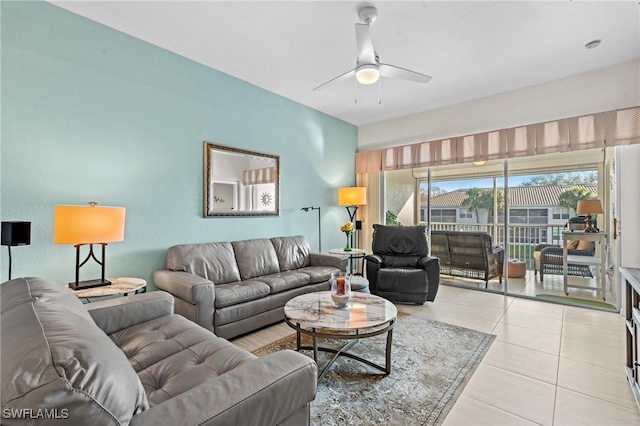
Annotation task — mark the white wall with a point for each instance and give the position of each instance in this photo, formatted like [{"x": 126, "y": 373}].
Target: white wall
[
  {"x": 605, "y": 89},
  {"x": 629, "y": 205}
]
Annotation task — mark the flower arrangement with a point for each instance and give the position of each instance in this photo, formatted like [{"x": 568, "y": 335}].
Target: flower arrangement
[{"x": 347, "y": 228}]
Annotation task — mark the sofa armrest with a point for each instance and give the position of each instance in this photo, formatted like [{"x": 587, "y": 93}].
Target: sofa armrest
[
  {"x": 497, "y": 249},
  {"x": 326, "y": 259},
  {"x": 260, "y": 392},
  {"x": 186, "y": 286},
  {"x": 195, "y": 296},
  {"x": 116, "y": 314}
]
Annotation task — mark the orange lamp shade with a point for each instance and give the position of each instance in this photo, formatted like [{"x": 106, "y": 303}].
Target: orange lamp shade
[
  {"x": 88, "y": 224},
  {"x": 589, "y": 207},
  {"x": 352, "y": 196}
]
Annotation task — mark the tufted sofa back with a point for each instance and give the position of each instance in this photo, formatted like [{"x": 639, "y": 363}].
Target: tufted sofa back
[{"x": 54, "y": 357}]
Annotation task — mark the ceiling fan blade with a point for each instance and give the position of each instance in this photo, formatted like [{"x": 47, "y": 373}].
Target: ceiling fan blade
[
  {"x": 366, "y": 54},
  {"x": 337, "y": 79},
  {"x": 392, "y": 71}
]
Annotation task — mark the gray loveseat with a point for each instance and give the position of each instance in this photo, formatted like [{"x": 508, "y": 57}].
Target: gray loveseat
[
  {"x": 132, "y": 361},
  {"x": 236, "y": 287}
]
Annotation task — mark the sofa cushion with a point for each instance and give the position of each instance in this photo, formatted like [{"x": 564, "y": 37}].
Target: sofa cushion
[
  {"x": 240, "y": 292},
  {"x": 55, "y": 357},
  {"x": 255, "y": 258},
  {"x": 213, "y": 261},
  {"x": 292, "y": 252},
  {"x": 171, "y": 355},
  {"x": 283, "y": 281}
]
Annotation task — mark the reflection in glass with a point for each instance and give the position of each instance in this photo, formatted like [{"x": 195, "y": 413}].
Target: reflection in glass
[{"x": 240, "y": 182}]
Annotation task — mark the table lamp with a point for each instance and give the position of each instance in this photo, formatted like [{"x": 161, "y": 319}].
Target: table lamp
[
  {"x": 15, "y": 234},
  {"x": 352, "y": 197},
  {"x": 82, "y": 225},
  {"x": 589, "y": 207}
]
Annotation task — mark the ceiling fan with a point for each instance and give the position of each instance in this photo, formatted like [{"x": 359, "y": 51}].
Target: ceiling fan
[{"x": 368, "y": 68}]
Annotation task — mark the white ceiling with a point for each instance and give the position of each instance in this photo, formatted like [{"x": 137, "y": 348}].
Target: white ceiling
[{"x": 471, "y": 49}]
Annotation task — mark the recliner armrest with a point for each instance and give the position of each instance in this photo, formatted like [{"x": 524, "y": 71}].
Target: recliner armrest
[
  {"x": 246, "y": 395},
  {"x": 426, "y": 261},
  {"x": 116, "y": 314},
  {"x": 374, "y": 258}
]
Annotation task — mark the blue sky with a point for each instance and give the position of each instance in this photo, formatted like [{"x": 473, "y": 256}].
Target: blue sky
[{"x": 452, "y": 185}]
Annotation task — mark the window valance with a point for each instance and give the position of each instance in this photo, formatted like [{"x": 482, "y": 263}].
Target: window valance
[{"x": 602, "y": 129}]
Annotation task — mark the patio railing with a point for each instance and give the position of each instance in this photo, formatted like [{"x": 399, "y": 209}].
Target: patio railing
[{"x": 522, "y": 238}]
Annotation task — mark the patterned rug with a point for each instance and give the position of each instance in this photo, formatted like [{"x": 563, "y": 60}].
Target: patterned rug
[{"x": 431, "y": 364}]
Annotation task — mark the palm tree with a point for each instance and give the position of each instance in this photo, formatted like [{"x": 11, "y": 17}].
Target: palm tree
[
  {"x": 570, "y": 196},
  {"x": 482, "y": 199},
  {"x": 475, "y": 201}
]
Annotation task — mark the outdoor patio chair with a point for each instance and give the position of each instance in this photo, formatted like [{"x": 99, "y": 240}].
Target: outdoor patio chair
[{"x": 548, "y": 258}]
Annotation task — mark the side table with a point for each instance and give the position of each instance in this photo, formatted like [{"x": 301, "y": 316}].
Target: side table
[
  {"x": 598, "y": 260},
  {"x": 353, "y": 254},
  {"x": 118, "y": 286}
]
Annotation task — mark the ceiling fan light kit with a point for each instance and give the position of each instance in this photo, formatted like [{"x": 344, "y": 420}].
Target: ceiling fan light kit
[
  {"x": 368, "y": 69},
  {"x": 367, "y": 74}
]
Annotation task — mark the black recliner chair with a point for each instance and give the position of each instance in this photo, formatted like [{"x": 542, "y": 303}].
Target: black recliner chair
[{"x": 400, "y": 268}]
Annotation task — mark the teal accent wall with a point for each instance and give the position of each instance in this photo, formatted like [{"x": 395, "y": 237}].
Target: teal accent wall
[{"x": 91, "y": 114}]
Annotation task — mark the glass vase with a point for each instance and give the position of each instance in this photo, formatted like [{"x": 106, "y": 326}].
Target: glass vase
[
  {"x": 341, "y": 289},
  {"x": 348, "y": 246}
]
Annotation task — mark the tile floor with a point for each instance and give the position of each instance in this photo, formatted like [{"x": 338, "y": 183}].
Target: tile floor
[
  {"x": 549, "y": 365},
  {"x": 531, "y": 285}
]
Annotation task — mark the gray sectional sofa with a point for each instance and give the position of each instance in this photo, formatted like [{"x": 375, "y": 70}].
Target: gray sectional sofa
[
  {"x": 130, "y": 360},
  {"x": 232, "y": 288}
]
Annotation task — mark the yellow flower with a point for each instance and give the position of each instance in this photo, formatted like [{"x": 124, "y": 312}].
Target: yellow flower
[{"x": 347, "y": 228}]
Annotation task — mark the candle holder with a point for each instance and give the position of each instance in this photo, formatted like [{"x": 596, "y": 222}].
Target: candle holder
[{"x": 341, "y": 289}]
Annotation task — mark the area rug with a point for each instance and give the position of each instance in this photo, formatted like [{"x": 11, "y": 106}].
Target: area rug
[
  {"x": 577, "y": 301},
  {"x": 431, "y": 363}
]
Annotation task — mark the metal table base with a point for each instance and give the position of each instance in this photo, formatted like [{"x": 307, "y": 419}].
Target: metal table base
[{"x": 342, "y": 351}]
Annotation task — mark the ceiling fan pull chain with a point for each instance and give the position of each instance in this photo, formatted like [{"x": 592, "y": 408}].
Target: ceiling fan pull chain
[
  {"x": 355, "y": 92},
  {"x": 379, "y": 92}
]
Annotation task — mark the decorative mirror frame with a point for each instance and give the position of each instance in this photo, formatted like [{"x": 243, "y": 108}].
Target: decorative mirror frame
[{"x": 210, "y": 180}]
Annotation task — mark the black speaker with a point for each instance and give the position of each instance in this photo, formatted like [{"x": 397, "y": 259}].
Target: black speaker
[
  {"x": 16, "y": 233},
  {"x": 358, "y": 224}
]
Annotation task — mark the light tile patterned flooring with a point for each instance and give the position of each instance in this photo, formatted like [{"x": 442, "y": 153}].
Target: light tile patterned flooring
[
  {"x": 549, "y": 365},
  {"x": 531, "y": 285}
]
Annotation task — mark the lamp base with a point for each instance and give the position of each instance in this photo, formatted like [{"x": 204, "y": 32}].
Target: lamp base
[
  {"x": 590, "y": 228},
  {"x": 89, "y": 284}
]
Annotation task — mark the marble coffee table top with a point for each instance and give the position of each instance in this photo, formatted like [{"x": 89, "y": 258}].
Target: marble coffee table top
[{"x": 316, "y": 310}]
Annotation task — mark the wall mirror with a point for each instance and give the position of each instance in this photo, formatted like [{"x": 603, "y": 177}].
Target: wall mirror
[{"x": 238, "y": 182}]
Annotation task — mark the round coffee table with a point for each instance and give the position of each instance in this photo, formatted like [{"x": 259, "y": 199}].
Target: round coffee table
[{"x": 313, "y": 314}]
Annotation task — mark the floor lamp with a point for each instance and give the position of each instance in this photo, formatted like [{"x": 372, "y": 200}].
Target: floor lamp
[
  {"x": 306, "y": 209},
  {"x": 351, "y": 197}
]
